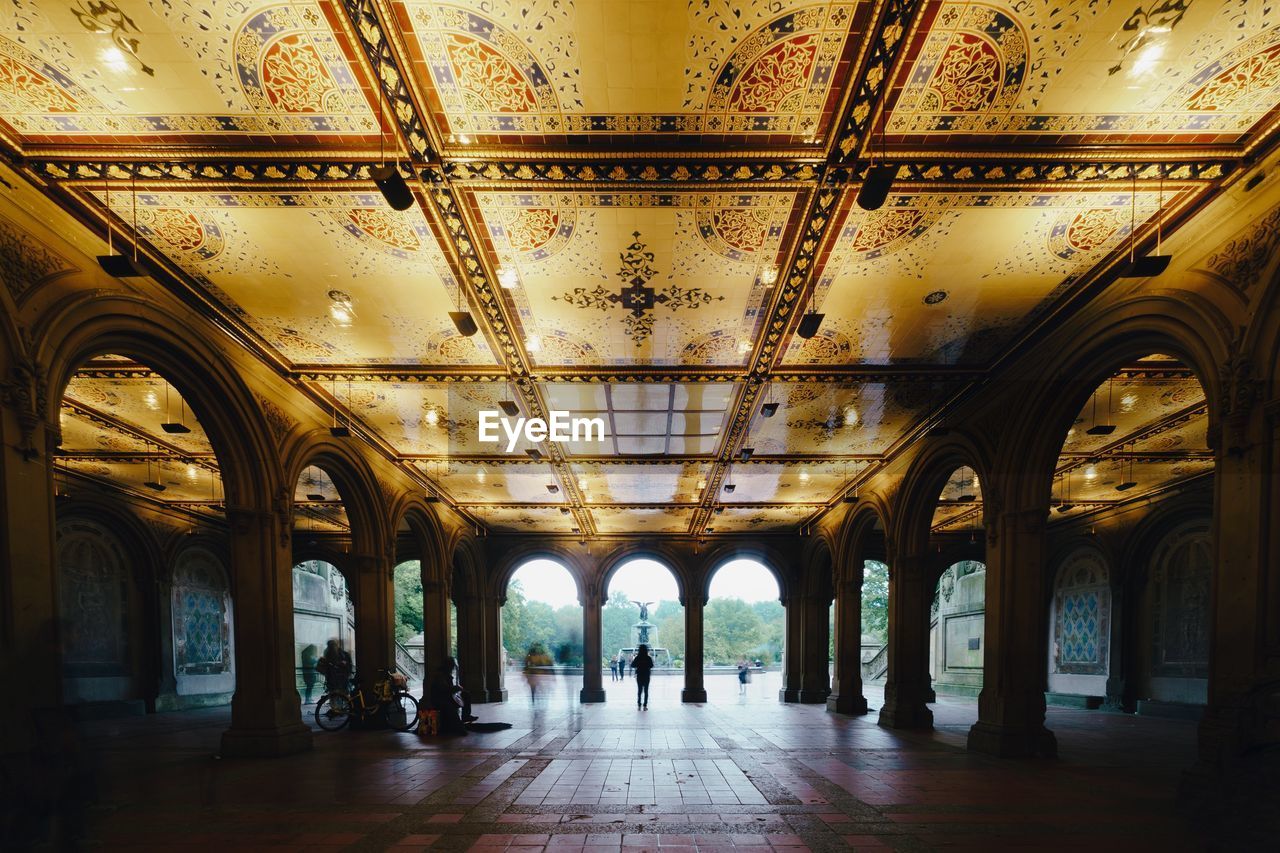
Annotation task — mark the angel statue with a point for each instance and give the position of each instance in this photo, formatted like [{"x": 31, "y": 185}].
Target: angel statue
[{"x": 644, "y": 609}]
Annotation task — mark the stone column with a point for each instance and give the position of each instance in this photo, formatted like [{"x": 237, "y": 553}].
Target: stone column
[
  {"x": 815, "y": 683},
  {"x": 374, "y": 601},
  {"x": 1015, "y": 662},
  {"x": 29, "y": 616},
  {"x": 846, "y": 690},
  {"x": 1120, "y": 651},
  {"x": 435, "y": 626},
  {"x": 592, "y": 660},
  {"x": 906, "y": 689},
  {"x": 494, "y": 677},
  {"x": 694, "y": 688},
  {"x": 1236, "y": 770},
  {"x": 471, "y": 648},
  {"x": 266, "y": 711},
  {"x": 793, "y": 650}
]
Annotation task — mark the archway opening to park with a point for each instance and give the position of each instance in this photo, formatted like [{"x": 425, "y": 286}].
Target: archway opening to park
[
  {"x": 957, "y": 609},
  {"x": 744, "y": 628},
  {"x": 542, "y": 630},
  {"x": 642, "y": 605}
]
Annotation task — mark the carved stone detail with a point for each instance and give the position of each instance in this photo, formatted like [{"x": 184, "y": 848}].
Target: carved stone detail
[
  {"x": 278, "y": 419},
  {"x": 1239, "y": 393},
  {"x": 1241, "y": 261},
  {"x": 25, "y": 262},
  {"x": 26, "y": 392}
]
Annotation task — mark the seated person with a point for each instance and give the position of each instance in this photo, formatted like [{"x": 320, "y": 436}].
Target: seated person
[{"x": 449, "y": 700}]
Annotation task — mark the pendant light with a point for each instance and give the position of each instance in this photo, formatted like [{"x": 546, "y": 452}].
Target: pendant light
[
  {"x": 179, "y": 426},
  {"x": 1108, "y": 427},
  {"x": 310, "y": 480},
  {"x": 966, "y": 497},
  {"x": 121, "y": 266},
  {"x": 335, "y": 429},
  {"x": 878, "y": 180},
  {"x": 770, "y": 408},
  {"x": 809, "y": 323},
  {"x": 462, "y": 319},
  {"x": 850, "y": 497},
  {"x": 1148, "y": 266},
  {"x": 1129, "y": 481},
  {"x": 1064, "y": 502},
  {"x": 153, "y": 484},
  {"x": 387, "y": 175}
]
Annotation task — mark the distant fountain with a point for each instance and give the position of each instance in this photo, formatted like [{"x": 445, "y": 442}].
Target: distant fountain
[{"x": 645, "y": 633}]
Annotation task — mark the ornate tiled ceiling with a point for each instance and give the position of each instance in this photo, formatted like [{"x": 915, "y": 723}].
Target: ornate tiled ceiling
[{"x": 635, "y": 201}]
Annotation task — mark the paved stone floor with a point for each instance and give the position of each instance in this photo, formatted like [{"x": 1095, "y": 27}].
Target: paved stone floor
[{"x": 740, "y": 771}]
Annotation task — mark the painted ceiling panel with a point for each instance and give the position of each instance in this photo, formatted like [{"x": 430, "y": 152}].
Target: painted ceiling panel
[
  {"x": 210, "y": 72},
  {"x": 642, "y": 519},
  {"x": 522, "y": 519},
  {"x": 808, "y": 483},
  {"x": 736, "y": 519},
  {"x": 133, "y": 409},
  {"x": 609, "y": 278},
  {"x": 545, "y": 70},
  {"x": 865, "y": 418},
  {"x": 642, "y": 484},
  {"x": 494, "y": 483},
  {"x": 1081, "y": 71},
  {"x": 281, "y": 261}
]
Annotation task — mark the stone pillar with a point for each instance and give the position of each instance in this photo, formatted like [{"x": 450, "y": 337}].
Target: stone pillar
[
  {"x": 1123, "y": 617},
  {"x": 494, "y": 676},
  {"x": 29, "y": 616},
  {"x": 471, "y": 666},
  {"x": 694, "y": 688},
  {"x": 266, "y": 711},
  {"x": 1015, "y": 662},
  {"x": 1235, "y": 775},
  {"x": 846, "y": 689},
  {"x": 435, "y": 626},
  {"x": 374, "y": 601},
  {"x": 906, "y": 689},
  {"x": 815, "y": 682},
  {"x": 592, "y": 660},
  {"x": 793, "y": 650}
]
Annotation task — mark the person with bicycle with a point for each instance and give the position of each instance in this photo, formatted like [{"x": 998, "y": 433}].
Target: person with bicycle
[
  {"x": 449, "y": 699},
  {"x": 335, "y": 666}
]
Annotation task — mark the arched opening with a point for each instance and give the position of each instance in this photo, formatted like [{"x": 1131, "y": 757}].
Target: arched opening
[
  {"x": 135, "y": 466},
  {"x": 409, "y": 621},
  {"x": 744, "y": 628},
  {"x": 957, "y": 610},
  {"x": 542, "y": 630},
  {"x": 324, "y": 615},
  {"x": 874, "y": 633},
  {"x": 642, "y": 605},
  {"x": 1128, "y": 618}
]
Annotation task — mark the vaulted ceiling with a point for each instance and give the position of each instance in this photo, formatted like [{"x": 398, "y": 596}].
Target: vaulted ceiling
[{"x": 705, "y": 156}]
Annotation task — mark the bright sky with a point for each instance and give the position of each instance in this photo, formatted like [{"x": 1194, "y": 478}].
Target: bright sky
[{"x": 646, "y": 580}]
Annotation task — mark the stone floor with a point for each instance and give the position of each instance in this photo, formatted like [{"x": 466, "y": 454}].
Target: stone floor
[{"x": 740, "y": 771}]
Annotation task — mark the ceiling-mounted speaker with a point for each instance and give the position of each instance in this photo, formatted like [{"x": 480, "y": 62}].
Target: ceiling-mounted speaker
[
  {"x": 393, "y": 187},
  {"x": 729, "y": 487},
  {"x": 509, "y": 408},
  {"x": 876, "y": 185},
  {"x": 464, "y": 323},
  {"x": 119, "y": 266},
  {"x": 809, "y": 324},
  {"x": 769, "y": 409},
  {"x": 1147, "y": 266},
  {"x": 175, "y": 429},
  {"x": 746, "y": 453},
  {"x": 552, "y": 488},
  {"x": 339, "y": 431}
]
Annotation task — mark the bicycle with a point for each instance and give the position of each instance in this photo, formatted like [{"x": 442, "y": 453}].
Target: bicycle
[{"x": 391, "y": 699}]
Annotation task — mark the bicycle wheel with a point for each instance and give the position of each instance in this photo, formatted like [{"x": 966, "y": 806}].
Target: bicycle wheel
[
  {"x": 333, "y": 711},
  {"x": 402, "y": 712}
]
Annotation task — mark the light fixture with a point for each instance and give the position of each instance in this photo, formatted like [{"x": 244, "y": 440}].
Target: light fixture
[
  {"x": 432, "y": 498},
  {"x": 746, "y": 453},
  {"x": 155, "y": 484},
  {"x": 178, "y": 427},
  {"x": 1148, "y": 266},
  {"x": 336, "y": 429},
  {"x": 729, "y": 488},
  {"x": 342, "y": 312},
  {"x": 720, "y": 510},
  {"x": 850, "y": 416},
  {"x": 809, "y": 324},
  {"x": 1090, "y": 472},
  {"x": 509, "y": 408},
  {"x": 387, "y": 175},
  {"x": 315, "y": 496},
  {"x": 744, "y": 347},
  {"x": 702, "y": 484},
  {"x": 769, "y": 409},
  {"x": 711, "y": 530},
  {"x": 534, "y": 453},
  {"x": 508, "y": 277},
  {"x": 533, "y": 343},
  {"x": 1106, "y": 428},
  {"x": 464, "y": 323},
  {"x": 121, "y": 266},
  {"x": 192, "y": 474},
  {"x": 876, "y": 185},
  {"x": 583, "y": 485},
  {"x": 1130, "y": 482},
  {"x": 769, "y": 276},
  {"x": 564, "y": 510},
  {"x": 433, "y": 416},
  {"x": 552, "y": 488}
]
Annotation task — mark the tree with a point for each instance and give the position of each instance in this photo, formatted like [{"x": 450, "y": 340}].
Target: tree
[
  {"x": 773, "y": 616},
  {"x": 875, "y": 599},
  {"x": 732, "y": 630},
  {"x": 407, "y": 580},
  {"x": 670, "y": 622},
  {"x": 617, "y": 617}
]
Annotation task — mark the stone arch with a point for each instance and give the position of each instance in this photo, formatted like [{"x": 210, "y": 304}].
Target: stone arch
[
  {"x": 1134, "y": 560},
  {"x": 516, "y": 558},
  {"x": 466, "y": 564},
  {"x": 925, "y": 480},
  {"x": 623, "y": 554},
  {"x": 317, "y": 553},
  {"x": 209, "y": 383},
  {"x": 772, "y": 560},
  {"x": 1080, "y": 618},
  {"x": 1158, "y": 323},
  {"x": 851, "y": 543},
  {"x": 354, "y": 481},
  {"x": 427, "y": 538},
  {"x": 201, "y": 618}
]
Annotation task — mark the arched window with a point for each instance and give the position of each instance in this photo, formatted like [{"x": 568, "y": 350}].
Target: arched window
[
  {"x": 1180, "y": 585},
  {"x": 94, "y": 599},
  {"x": 201, "y": 615},
  {"x": 1081, "y": 614}
]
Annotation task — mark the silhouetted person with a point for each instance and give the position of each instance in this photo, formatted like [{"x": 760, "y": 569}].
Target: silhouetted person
[
  {"x": 642, "y": 666},
  {"x": 335, "y": 666},
  {"x": 309, "y": 661},
  {"x": 450, "y": 701},
  {"x": 742, "y": 675}
]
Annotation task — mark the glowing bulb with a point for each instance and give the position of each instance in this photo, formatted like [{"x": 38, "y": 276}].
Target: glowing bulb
[
  {"x": 508, "y": 277},
  {"x": 744, "y": 347},
  {"x": 1090, "y": 473},
  {"x": 192, "y": 473},
  {"x": 464, "y": 139},
  {"x": 341, "y": 312},
  {"x": 533, "y": 343},
  {"x": 804, "y": 476},
  {"x": 702, "y": 484},
  {"x": 583, "y": 485},
  {"x": 768, "y": 276},
  {"x": 850, "y": 416},
  {"x": 1128, "y": 402},
  {"x": 433, "y": 417}
]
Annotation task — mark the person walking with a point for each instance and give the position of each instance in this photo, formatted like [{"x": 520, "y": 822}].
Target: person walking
[
  {"x": 613, "y": 668},
  {"x": 742, "y": 675},
  {"x": 642, "y": 666},
  {"x": 310, "y": 657}
]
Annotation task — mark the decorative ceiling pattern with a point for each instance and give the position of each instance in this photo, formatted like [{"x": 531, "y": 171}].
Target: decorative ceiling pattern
[{"x": 634, "y": 201}]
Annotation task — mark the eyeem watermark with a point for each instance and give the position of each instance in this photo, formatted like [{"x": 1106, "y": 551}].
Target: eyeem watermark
[{"x": 562, "y": 426}]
